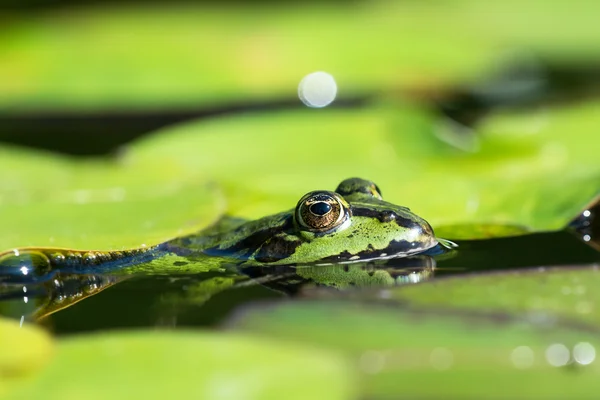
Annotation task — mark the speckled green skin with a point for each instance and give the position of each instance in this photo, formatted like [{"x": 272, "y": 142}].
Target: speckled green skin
[{"x": 376, "y": 229}]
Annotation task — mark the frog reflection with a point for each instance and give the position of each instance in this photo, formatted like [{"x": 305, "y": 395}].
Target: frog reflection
[{"x": 36, "y": 301}]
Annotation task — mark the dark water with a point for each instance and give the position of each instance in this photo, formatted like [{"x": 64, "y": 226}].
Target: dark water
[{"x": 176, "y": 301}]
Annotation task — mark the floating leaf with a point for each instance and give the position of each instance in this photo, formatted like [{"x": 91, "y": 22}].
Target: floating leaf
[
  {"x": 51, "y": 201},
  {"x": 187, "y": 365},
  {"x": 24, "y": 349},
  {"x": 266, "y": 55},
  {"x": 440, "y": 352},
  {"x": 153, "y": 56},
  {"x": 480, "y": 231},
  {"x": 560, "y": 292},
  {"x": 160, "y": 188},
  {"x": 511, "y": 180}
]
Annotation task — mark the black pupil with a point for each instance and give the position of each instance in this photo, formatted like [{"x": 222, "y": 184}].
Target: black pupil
[{"x": 320, "y": 208}]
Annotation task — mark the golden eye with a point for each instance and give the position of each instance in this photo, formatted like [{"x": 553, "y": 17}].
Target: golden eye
[{"x": 321, "y": 211}]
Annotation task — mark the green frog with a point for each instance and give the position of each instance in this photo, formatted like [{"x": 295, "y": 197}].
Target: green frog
[
  {"x": 346, "y": 238},
  {"x": 352, "y": 223}
]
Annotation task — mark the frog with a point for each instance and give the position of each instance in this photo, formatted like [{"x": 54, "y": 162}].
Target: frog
[
  {"x": 353, "y": 223},
  {"x": 349, "y": 237}
]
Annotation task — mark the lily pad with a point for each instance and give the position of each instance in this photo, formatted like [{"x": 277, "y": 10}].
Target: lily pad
[
  {"x": 511, "y": 180},
  {"x": 24, "y": 349},
  {"x": 152, "y": 56},
  {"x": 184, "y": 63},
  {"x": 441, "y": 352},
  {"x": 50, "y": 201},
  {"x": 162, "y": 187},
  {"x": 568, "y": 293},
  {"x": 187, "y": 365}
]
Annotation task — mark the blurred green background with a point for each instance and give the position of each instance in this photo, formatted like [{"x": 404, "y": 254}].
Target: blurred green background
[
  {"x": 93, "y": 75},
  {"x": 154, "y": 119}
]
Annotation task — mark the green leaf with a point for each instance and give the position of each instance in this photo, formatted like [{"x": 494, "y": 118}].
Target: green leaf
[
  {"x": 564, "y": 292},
  {"x": 183, "y": 56},
  {"x": 151, "y": 57},
  {"x": 440, "y": 352},
  {"x": 162, "y": 186},
  {"x": 52, "y": 201},
  {"x": 512, "y": 179},
  {"x": 194, "y": 365},
  {"x": 24, "y": 349},
  {"x": 480, "y": 231}
]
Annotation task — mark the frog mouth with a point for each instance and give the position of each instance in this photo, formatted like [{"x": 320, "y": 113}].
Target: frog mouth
[{"x": 396, "y": 249}]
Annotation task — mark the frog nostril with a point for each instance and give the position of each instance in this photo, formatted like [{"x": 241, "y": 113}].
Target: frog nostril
[{"x": 427, "y": 229}]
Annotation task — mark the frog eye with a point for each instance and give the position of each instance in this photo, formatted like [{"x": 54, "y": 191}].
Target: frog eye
[
  {"x": 354, "y": 186},
  {"x": 321, "y": 211}
]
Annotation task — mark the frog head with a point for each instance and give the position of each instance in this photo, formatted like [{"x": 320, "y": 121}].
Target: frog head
[{"x": 352, "y": 223}]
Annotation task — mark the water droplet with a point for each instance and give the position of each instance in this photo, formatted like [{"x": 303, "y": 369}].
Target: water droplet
[
  {"x": 317, "y": 89},
  {"x": 372, "y": 362},
  {"x": 558, "y": 355},
  {"x": 587, "y": 213},
  {"x": 74, "y": 258},
  {"x": 441, "y": 358},
  {"x": 522, "y": 357},
  {"x": 584, "y": 353},
  {"x": 28, "y": 262},
  {"x": 587, "y": 238},
  {"x": 58, "y": 259},
  {"x": 414, "y": 278},
  {"x": 89, "y": 258},
  {"x": 447, "y": 243}
]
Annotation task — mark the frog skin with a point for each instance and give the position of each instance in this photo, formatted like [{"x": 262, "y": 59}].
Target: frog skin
[{"x": 352, "y": 224}]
